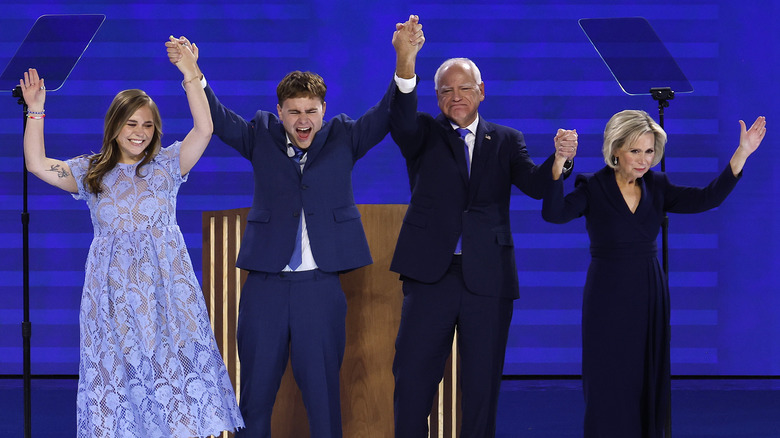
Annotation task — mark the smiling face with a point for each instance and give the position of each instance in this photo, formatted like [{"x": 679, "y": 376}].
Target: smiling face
[
  {"x": 635, "y": 159},
  {"x": 302, "y": 119},
  {"x": 136, "y": 135},
  {"x": 459, "y": 94}
]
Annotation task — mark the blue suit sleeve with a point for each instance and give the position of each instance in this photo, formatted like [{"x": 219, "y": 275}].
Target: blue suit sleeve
[
  {"x": 373, "y": 126},
  {"x": 559, "y": 209},
  {"x": 404, "y": 123},
  {"x": 231, "y": 128}
]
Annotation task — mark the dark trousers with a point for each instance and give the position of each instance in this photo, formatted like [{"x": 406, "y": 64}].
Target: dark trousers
[
  {"x": 430, "y": 315},
  {"x": 301, "y": 316}
]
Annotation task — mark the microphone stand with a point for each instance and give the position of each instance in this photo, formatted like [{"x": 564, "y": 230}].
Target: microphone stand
[
  {"x": 663, "y": 95},
  {"x": 54, "y": 45},
  {"x": 26, "y": 325}
]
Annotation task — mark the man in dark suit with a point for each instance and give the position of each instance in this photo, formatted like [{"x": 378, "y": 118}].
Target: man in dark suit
[
  {"x": 455, "y": 251},
  {"x": 303, "y": 230}
]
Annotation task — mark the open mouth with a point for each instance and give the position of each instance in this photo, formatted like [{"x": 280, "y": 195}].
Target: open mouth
[{"x": 303, "y": 133}]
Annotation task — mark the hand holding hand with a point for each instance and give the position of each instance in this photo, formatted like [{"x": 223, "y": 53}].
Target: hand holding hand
[
  {"x": 566, "y": 143},
  {"x": 183, "y": 55},
  {"x": 33, "y": 90},
  {"x": 173, "y": 49},
  {"x": 408, "y": 37}
]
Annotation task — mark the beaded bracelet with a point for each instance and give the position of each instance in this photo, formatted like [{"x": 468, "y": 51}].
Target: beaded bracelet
[
  {"x": 36, "y": 117},
  {"x": 37, "y": 112}
]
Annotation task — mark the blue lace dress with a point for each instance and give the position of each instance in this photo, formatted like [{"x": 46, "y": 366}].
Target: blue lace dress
[{"x": 149, "y": 365}]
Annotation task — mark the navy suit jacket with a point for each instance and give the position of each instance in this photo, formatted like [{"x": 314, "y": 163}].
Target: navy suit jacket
[
  {"x": 323, "y": 191},
  {"x": 446, "y": 203}
]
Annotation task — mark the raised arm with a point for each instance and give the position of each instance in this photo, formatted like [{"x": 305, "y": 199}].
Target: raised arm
[
  {"x": 374, "y": 125},
  {"x": 408, "y": 39},
  {"x": 54, "y": 172},
  {"x": 184, "y": 55},
  {"x": 559, "y": 209},
  {"x": 749, "y": 140},
  {"x": 565, "y": 150}
]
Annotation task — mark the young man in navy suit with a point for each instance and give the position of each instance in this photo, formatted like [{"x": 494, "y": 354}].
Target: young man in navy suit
[
  {"x": 455, "y": 251},
  {"x": 303, "y": 230}
]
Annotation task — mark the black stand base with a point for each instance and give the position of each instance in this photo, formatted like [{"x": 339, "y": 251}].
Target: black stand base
[
  {"x": 663, "y": 95},
  {"x": 26, "y": 325}
]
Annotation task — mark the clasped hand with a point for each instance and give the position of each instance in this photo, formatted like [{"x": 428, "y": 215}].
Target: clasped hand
[{"x": 566, "y": 143}]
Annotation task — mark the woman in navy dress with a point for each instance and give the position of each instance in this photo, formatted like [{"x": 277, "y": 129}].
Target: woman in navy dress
[{"x": 625, "y": 311}]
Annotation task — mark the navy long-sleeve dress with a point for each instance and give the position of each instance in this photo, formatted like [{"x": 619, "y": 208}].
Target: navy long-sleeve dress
[{"x": 625, "y": 311}]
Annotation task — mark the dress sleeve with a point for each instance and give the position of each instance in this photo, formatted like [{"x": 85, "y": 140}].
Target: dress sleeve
[
  {"x": 168, "y": 158},
  {"x": 560, "y": 209},
  {"x": 683, "y": 199},
  {"x": 78, "y": 167}
]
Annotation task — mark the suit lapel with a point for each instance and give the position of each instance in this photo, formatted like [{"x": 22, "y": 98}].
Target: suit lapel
[
  {"x": 607, "y": 179},
  {"x": 278, "y": 134},
  {"x": 484, "y": 147},
  {"x": 645, "y": 206},
  {"x": 452, "y": 139}
]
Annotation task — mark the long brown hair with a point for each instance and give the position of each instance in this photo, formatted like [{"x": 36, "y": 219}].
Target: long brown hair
[{"x": 124, "y": 105}]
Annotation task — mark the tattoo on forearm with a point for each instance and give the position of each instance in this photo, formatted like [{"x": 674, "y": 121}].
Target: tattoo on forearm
[{"x": 62, "y": 173}]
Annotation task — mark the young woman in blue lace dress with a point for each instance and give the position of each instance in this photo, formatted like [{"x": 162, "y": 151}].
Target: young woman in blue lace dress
[{"x": 149, "y": 365}]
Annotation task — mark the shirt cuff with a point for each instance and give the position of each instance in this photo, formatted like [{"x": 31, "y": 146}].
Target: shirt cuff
[{"x": 405, "y": 86}]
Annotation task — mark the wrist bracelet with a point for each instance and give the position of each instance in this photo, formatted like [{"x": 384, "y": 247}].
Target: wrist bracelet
[
  {"x": 36, "y": 117},
  {"x": 37, "y": 112}
]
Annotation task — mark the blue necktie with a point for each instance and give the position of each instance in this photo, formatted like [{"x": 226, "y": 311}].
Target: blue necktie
[
  {"x": 463, "y": 133},
  {"x": 297, "y": 255}
]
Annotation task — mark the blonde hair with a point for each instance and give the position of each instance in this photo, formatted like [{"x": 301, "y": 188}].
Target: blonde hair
[{"x": 625, "y": 127}]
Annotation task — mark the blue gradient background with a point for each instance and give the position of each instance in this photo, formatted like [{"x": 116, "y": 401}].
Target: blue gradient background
[{"x": 540, "y": 73}]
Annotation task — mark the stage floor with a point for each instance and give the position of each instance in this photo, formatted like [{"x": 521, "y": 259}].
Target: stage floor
[{"x": 745, "y": 408}]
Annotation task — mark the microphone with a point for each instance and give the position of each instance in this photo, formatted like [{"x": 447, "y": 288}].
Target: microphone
[{"x": 290, "y": 151}]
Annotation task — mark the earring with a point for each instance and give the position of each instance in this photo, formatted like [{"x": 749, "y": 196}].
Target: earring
[{"x": 614, "y": 160}]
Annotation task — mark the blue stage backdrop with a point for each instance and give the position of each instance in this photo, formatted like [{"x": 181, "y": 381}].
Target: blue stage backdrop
[{"x": 540, "y": 74}]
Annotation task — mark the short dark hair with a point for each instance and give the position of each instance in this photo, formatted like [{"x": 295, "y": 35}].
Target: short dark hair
[{"x": 301, "y": 84}]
